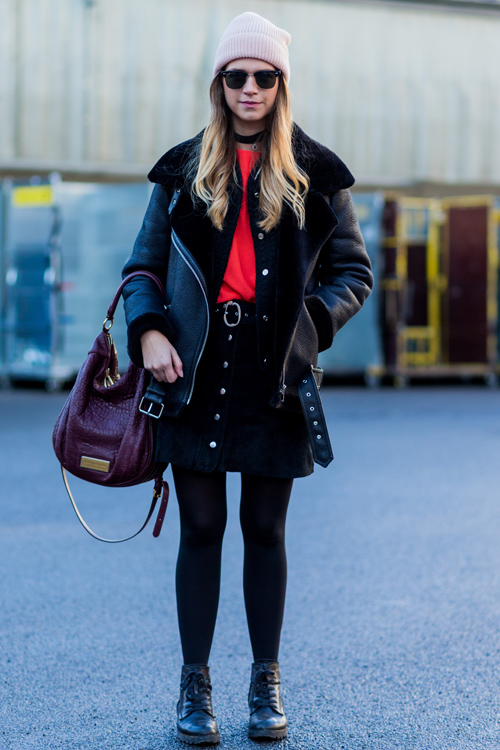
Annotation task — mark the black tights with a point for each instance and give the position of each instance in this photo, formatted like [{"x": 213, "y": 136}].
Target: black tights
[{"x": 203, "y": 513}]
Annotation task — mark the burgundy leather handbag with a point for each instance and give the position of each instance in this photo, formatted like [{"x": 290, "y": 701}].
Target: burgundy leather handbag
[{"x": 101, "y": 435}]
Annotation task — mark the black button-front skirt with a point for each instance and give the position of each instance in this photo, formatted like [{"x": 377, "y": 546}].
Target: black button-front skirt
[{"x": 228, "y": 424}]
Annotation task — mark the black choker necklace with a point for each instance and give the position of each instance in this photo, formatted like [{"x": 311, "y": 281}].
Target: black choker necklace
[{"x": 249, "y": 138}]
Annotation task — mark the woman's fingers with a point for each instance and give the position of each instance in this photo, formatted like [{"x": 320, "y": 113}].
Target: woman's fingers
[
  {"x": 162, "y": 368},
  {"x": 177, "y": 364},
  {"x": 165, "y": 372},
  {"x": 171, "y": 365},
  {"x": 160, "y": 357}
]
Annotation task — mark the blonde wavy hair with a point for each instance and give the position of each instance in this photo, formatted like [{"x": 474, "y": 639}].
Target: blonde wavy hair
[{"x": 214, "y": 164}]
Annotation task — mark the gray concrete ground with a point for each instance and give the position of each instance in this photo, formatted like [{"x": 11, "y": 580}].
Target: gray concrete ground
[{"x": 391, "y": 635}]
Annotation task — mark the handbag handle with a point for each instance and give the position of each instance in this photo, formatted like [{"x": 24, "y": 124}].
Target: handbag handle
[
  {"x": 112, "y": 308},
  {"x": 157, "y": 492}
]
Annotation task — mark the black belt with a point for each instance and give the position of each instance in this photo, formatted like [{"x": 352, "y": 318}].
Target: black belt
[{"x": 315, "y": 420}]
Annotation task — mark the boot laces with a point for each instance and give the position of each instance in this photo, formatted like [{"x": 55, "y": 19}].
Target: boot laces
[
  {"x": 197, "y": 692},
  {"x": 266, "y": 690}
]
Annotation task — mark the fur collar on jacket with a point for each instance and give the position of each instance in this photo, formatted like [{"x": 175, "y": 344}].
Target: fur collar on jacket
[{"x": 327, "y": 173}]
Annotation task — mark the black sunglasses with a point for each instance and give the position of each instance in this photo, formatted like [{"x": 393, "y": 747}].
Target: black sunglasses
[{"x": 236, "y": 79}]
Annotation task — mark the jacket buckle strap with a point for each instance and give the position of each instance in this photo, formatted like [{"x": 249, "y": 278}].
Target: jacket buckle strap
[
  {"x": 238, "y": 313},
  {"x": 315, "y": 419},
  {"x": 154, "y": 409},
  {"x": 152, "y": 402}
]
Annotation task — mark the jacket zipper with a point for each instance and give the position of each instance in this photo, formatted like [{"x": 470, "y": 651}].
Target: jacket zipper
[
  {"x": 282, "y": 388},
  {"x": 190, "y": 262}
]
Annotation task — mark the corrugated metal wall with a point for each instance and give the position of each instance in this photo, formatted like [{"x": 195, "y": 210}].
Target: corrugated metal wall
[{"x": 400, "y": 93}]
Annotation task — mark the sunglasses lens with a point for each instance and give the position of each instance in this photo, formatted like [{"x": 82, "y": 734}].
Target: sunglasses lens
[
  {"x": 235, "y": 79},
  {"x": 265, "y": 79}
]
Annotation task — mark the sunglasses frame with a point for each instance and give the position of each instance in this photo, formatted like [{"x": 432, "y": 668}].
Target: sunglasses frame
[{"x": 277, "y": 74}]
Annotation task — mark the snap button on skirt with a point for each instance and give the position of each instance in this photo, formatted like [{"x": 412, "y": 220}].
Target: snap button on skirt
[{"x": 228, "y": 424}]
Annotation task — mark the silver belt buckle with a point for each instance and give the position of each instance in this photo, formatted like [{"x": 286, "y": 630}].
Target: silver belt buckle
[{"x": 226, "y": 306}]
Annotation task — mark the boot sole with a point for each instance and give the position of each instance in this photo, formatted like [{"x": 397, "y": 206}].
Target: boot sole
[
  {"x": 202, "y": 739},
  {"x": 268, "y": 734}
]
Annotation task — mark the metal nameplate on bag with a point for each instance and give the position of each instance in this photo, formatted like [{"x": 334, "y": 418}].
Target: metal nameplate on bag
[
  {"x": 96, "y": 464},
  {"x": 150, "y": 409}
]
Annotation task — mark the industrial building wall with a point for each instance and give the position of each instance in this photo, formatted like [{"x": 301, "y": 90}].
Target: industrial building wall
[{"x": 401, "y": 92}]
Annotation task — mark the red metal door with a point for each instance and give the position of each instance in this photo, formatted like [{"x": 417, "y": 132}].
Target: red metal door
[{"x": 465, "y": 304}]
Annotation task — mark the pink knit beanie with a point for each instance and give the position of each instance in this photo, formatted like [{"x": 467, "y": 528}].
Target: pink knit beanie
[{"x": 250, "y": 35}]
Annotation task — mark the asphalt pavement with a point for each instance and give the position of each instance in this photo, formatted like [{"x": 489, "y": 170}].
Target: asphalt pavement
[{"x": 391, "y": 634}]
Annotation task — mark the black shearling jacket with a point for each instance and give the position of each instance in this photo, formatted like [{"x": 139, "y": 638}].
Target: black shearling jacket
[{"x": 309, "y": 282}]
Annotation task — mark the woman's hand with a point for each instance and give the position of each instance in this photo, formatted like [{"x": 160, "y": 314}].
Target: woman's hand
[{"x": 160, "y": 357}]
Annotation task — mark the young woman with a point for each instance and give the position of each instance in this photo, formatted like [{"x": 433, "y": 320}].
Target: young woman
[{"x": 252, "y": 227}]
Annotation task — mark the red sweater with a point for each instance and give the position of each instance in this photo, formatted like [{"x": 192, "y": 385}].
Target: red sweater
[{"x": 239, "y": 277}]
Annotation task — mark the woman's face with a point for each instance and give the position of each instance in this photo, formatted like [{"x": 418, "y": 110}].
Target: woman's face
[{"x": 250, "y": 105}]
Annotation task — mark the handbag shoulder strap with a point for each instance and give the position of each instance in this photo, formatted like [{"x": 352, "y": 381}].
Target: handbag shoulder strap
[{"x": 160, "y": 489}]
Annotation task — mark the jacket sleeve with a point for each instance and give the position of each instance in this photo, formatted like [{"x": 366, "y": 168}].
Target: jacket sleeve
[
  {"x": 344, "y": 273},
  {"x": 143, "y": 303}
]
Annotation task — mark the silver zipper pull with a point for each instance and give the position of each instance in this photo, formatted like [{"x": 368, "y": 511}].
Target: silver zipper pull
[{"x": 282, "y": 389}]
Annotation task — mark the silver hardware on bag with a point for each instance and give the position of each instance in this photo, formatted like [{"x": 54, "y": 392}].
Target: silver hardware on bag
[
  {"x": 149, "y": 411},
  {"x": 226, "y": 307}
]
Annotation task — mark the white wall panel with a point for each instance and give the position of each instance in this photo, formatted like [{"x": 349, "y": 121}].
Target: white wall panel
[
  {"x": 400, "y": 93},
  {"x": 8, "y": 67}
]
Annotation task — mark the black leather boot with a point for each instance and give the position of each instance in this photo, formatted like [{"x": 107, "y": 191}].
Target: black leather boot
[
  {"x": 196, "y": 723},
  {"x": 267, "y": 716}
]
